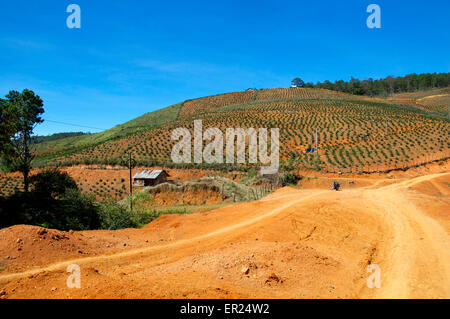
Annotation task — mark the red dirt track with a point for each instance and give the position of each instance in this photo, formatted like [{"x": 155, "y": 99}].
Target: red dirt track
[{"x": 294, "y": 243}]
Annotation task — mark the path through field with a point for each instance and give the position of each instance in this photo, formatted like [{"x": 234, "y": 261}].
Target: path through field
[{"x": 294, "y": 243}]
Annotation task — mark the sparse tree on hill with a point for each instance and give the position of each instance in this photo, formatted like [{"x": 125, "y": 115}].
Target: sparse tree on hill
[{"x": 297, "y": 82}]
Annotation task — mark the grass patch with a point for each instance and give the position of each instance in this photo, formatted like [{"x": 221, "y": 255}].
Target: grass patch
[{"x": 190, "y": 209}]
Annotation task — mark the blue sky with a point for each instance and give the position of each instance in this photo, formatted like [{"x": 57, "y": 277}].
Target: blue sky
[{"x": 132, "y": 57}]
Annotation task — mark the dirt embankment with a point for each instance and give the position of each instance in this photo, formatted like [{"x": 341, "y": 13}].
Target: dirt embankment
[{"x": 194, "y": 197}]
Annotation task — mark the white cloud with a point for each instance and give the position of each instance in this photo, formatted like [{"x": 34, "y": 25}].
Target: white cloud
[{"x": 24, "y": 43}]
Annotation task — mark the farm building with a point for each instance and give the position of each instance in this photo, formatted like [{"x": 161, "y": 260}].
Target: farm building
[{"x": 150, "y": 177}]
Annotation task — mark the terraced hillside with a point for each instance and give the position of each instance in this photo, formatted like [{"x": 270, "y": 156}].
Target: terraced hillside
[
  {"x": 194, "y": 107},
  {"x": 10, "y": 183},
  {"x": 189, "y": 109},
  {"x": 205, "y": 104},
  {"x": 354, "y": 135},
  {"x": 437, "y": 100}
]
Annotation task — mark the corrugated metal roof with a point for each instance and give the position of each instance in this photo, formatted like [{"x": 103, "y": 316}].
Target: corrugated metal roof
[{"x": 148, "y": 174}]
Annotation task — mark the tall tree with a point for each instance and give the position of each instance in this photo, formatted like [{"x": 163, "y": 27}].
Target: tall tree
[
  {"x": 29, "y": 107},
  {"x": 8, "y": 125},
  {"x": 297, "y": 82}
]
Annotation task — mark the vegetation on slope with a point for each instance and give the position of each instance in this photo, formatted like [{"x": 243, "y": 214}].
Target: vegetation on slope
[
  {"x": 353, "y": 131},
  {"x": 435, "y": 101},
  {"x": 51, "y": 149},
  {"x": 57, "y": 136},
  {"x": 359, "y": 134}
]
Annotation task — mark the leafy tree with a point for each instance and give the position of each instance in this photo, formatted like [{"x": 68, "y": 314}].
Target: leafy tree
[
  {"x": 297, "y": 82},
  {"x": 54, "y": 201},
  {"x": 29, "y": 107},
  {"x": 8, "y": 125},
  {"x": 52, "y": 183}
]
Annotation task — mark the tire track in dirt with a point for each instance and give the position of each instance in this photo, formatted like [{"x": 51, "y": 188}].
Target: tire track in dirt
[
  {"x": 416, "y": 261},
  {"x": 414, "y": 181},
  {"x": 83, "y": 261}
]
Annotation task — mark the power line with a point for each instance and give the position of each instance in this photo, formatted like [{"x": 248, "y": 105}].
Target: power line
[{"x": 70, "y": 124}]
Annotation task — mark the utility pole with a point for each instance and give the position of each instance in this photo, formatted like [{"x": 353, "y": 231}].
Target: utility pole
[
  {"x": 131, "y": 184},
  {"x": 131, "y": 165},
  {"x": 317, "y": 145}
]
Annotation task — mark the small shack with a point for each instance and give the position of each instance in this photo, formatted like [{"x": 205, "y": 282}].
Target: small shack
[{"x": 150, "y": 177}]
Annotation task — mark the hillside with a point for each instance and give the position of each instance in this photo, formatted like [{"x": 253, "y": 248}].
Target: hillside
[
  {"x": 56, "y": 136},
  {"x": 214, "y": 102},
  {"x": 182, "y": 110},
  {"x": 143, "y": 122},
  {"x": 435, "y": 101},
  {"x": 355, "y": 133}
]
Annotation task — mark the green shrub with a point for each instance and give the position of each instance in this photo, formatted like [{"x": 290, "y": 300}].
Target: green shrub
[
  {"x": 288, "y": 179},
  {"x": 114, "y": 216},
  {"x": 79, "y": 211},
  {"x": 52, "y": 182},
  {"x": 74, "y": 210}
]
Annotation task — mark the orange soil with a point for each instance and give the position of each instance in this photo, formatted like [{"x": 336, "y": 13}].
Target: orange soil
[
  {"x": 114, "y": 181},
  {"x": 190, "y": 197},
  {"x": 294, "y": 243}
]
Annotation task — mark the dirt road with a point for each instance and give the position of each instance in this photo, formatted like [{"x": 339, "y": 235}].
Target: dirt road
[
  {"x": 416, "y": 263},
  {"x": 294, "y": 243}
]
